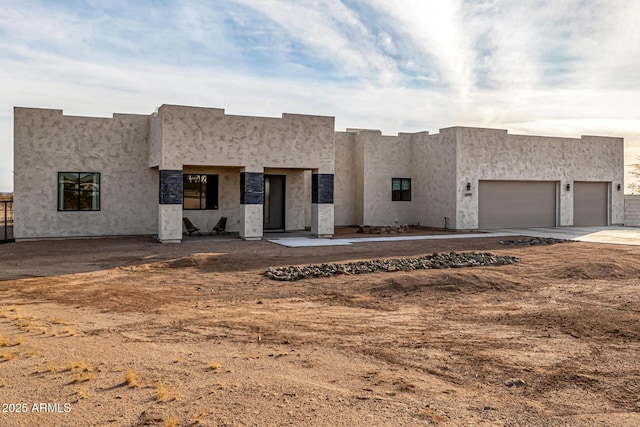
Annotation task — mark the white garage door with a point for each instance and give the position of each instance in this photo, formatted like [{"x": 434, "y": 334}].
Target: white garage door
[
  {"x": 516, "y": 204},
  {"x": 590, "y": 203}
]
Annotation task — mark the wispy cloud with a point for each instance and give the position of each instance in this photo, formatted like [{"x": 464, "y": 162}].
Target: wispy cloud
[{"x": 565, "y": 67}]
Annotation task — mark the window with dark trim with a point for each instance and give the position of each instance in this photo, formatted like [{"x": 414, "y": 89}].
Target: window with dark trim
[
  {"x": 78, "y": 191},
  {"x": 200, "y": 191},
  {"x": 401, "y": 189}
]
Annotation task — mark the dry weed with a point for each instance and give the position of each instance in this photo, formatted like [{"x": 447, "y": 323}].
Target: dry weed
[
  {"x": 4, "y": 341},
  {"x": 80, "y": 377},
  {"x": 172, "y": 421},
  {"x": 69, "y": 331},
  {"x": 214, "y": 366},
  {"x": 51, "y": 367},
  {"x": 432, "y": 416},
  {"x": 18, "y": 340},
  {"x": 131, "y": 379},
  {"x": 9, "y": 355},
  {"x": 197, "y": 418},
  {"x": 162, "y": 392},
  {"x": 56, "y": 321}
]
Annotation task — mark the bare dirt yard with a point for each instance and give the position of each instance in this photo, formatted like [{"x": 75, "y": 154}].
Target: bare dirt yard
[{"x": 129, "y": 332}]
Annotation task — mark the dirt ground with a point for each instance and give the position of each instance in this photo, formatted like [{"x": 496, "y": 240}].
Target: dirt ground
[{"x": 130, "y": 332}]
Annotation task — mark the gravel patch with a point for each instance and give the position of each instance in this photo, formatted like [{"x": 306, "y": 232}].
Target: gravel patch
[{"x": 433, "y": 261}]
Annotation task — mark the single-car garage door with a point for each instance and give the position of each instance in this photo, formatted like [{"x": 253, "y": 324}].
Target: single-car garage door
[
  {"x": 516, "y": 204},
  {"x": 590, "y": 203}
]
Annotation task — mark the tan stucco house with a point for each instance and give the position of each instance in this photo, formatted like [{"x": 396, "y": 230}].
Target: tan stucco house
[{"x": 141, "y": 174}]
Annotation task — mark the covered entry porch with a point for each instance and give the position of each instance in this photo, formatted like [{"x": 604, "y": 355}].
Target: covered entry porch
[{"x": 254, "y": 200}]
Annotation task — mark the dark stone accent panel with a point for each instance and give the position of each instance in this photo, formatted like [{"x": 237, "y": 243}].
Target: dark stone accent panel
[
  {"x": 170, "y": 187},
  {"x": 251, "y": 188},
  {"x": 322, "y": 188}
]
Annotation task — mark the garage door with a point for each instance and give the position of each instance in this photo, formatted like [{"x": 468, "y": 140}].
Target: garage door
[
  {"x": 590, "y": 203},
  {"x": 516, "y": 204}
]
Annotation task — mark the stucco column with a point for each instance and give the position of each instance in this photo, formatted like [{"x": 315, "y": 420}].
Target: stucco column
[
  {"x": 565, "y": 200},
  {"x": 251, "y": 204},
  {"x": 322, "y": 204},
  {"x": 170, "y": 206}
]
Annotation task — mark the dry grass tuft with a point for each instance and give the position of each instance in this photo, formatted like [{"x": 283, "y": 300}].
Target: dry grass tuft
[
  {"x": 4, "y": 341},
  {"x": 214, "y": 366},
  {"x": 44, "y": 331},
  {"x": 82, "y": 377},
  {"x": 131, "y": 379},
  {"x": 56, "y": 321},
  {"x": 18, "y": 340},
  {"x": 197, "y": 418},
  {"x": 432, "y": 416},
  {"x": 69, "y": 331},
  {"x": 9, "y": 355},
  {"x": 51, "y": 367},
  {"x": 172, "y": 421},
  {"x": 162, "y": 392},
  {"x": 54, "y": 332},
  {"x": 81, "y": 366}
]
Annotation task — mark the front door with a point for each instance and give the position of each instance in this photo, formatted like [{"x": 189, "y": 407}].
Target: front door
[{"x": 274, "y": 186}]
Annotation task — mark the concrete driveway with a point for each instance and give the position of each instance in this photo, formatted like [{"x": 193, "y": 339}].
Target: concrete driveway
[{"x": 610, "y": 234}]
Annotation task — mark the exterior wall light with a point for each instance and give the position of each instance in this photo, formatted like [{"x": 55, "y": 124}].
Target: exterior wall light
[
  {"x": 619, "y": 186},
  {"x": 468, "y": 186},
  {"x": 568, "y": 187}
]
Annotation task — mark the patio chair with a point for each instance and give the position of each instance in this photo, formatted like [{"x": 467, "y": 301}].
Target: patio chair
[
  {"x": 220, "y": 227},
  {"x": 190, "y": 227}
]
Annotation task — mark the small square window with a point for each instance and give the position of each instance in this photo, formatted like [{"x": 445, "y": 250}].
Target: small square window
[
  {"x": 401, "y": 189},
  {"x": 78, "y": 191},
  {"x": 200, "y": 192}
]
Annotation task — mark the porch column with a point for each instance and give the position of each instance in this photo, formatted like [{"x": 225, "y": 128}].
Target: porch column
[
  {"x": 322, "y": 204},
  {"x": 170, "y": 206},
  {"x": 251, "y": 204}
]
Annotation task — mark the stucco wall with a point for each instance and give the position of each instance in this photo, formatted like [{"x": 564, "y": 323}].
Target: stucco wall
[
  {"x": 386, "y": 157},
  {"x": 433, "y": 164},
  {"x": 47, "y": 142},
  {"x": 493, "y": 154},
  {"x": 345, "y": 180},
  {"x": 155, "y": 140},
  {"x": 632, "y": 210},
  {"x": 207, "y": 136}
]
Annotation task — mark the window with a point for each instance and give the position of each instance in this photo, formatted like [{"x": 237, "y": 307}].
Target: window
[
  {"x": 200, "y": 191},
  {"x": 78, "y": 191},
  {"x": 401, "y": 189}
]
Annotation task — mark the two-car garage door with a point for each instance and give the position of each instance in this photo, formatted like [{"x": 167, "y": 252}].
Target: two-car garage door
[
  {"x": 523, "y": 204},
  {"x": 516, "y": 204}
]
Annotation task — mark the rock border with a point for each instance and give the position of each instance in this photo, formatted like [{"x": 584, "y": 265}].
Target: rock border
[
  {"x": 426, "y": 262},
  {"x": 534, "y": 241}
]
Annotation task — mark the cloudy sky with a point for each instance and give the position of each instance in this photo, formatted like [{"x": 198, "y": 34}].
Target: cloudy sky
[{"x": 545, "y": 67}]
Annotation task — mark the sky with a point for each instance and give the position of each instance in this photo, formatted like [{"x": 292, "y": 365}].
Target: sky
[{"x": 541, "y": 67}]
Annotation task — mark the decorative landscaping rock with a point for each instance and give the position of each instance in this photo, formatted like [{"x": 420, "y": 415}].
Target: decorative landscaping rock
[
  {"x": 436, "y": 260},
  {"x": 368, "y": 229},
  {"x": 534, "y": 241}
]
